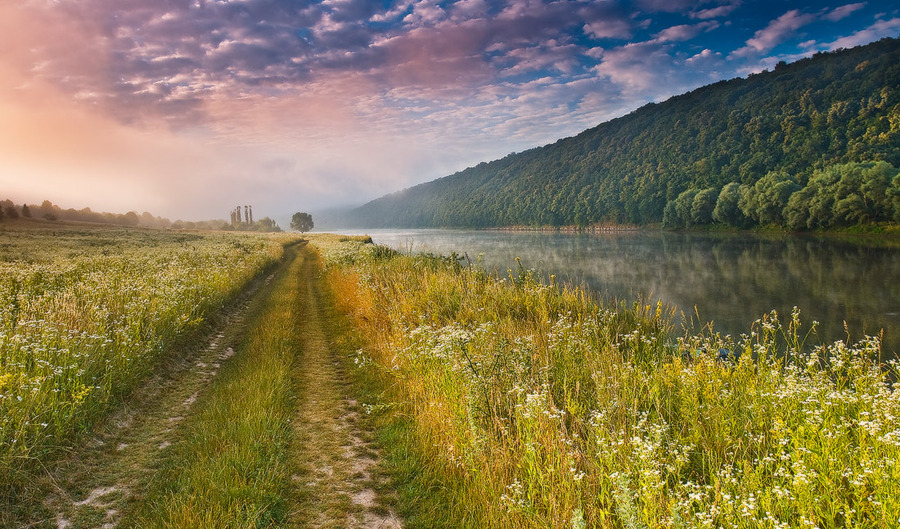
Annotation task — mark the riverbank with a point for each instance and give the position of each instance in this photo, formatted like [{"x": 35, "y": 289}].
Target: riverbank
[{"x": 529, "y": 405}]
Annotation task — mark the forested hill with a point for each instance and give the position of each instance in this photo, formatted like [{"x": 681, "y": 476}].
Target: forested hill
[{"x": 814, "y": 121}]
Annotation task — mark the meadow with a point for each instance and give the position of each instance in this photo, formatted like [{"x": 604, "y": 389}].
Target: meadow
[
  {"x": 511, "y": 403},
  {"x": 501, "y": 401},
  {"x": 88, "y": 313}
]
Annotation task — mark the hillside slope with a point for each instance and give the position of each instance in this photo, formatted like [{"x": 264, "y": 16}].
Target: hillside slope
[{"x": 833, "y": 108}]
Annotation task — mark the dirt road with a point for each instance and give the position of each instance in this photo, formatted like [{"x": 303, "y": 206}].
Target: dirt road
[{"x": 334, "y": 481}]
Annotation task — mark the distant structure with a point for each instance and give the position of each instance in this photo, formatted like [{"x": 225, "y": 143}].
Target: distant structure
[{"x": 238, "y": 219}]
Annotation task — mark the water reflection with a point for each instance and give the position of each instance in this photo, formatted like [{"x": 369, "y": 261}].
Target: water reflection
[{"x": 730, "y": 279}]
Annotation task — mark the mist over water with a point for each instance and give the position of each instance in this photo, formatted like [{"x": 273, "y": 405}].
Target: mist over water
[{"x": 728, "y": 279}]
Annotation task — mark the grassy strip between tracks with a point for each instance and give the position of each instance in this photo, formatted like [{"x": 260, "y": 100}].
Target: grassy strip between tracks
[{"x": 229, "y": 467}]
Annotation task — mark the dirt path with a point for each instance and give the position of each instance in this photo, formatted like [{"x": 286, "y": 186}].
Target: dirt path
[
  {"x": 334, "y": 455},
  {"x": 334, "y": 483},
  {"x": 103, "y": 476}
]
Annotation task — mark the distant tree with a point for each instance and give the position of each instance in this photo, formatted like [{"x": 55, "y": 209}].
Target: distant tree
[
  {"x": 843, "y": 195},
  {"x": 25, "y": 211},
  {"x": 797, "y": 211},
  {"x": 670, "y": 216},
  {"x": 765, "y": 200},
  {"x": 302, "y": 222},
  {"x": 131, "y": 218},
  {"x": 683, "y": 206},
  {"x": 894, "y": 194},
  {"x": 703, "y": 206},
  {"x": 727, "y": 210},
  {"x": 12, "y": 212},
  {"x": 49, "y": 211},
  {"x": 266, "y": 224}
]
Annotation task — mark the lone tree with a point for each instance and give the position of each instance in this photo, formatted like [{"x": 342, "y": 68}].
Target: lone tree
[{"x": 301, "y": 222}]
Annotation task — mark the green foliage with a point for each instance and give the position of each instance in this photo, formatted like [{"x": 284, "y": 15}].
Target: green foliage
[
  {"x": 302, "y": 222},
  {"x": 830, "y": 109},
  {"x": 845, "y": 195},
  {"x": 684, "y": 206},
  {"x": 727, "y": 210},
  {"x": 703, "y": 206},
  {"x": 764, "y": 201}
]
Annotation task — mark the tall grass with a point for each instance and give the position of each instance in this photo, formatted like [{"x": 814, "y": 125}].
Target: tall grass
[
  {"x": 85, "y": 314},
  {"x": 535, "y": 407}
]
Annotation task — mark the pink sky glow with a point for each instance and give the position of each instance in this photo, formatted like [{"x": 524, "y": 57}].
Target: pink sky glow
[{"x": 187, "y": 108}]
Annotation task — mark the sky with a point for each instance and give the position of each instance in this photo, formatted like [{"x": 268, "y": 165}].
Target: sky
[{"x": 188, "y": 108}]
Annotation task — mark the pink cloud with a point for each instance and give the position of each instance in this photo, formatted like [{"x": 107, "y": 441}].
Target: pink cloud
[
  {"x": 880, "y": 29},
  {"x": 636, "y": 66},
  {"x": 608, "y": 28},
  {"x": 778, "y": 31},
  {"x": 469, "y": 9},
  {"x": 425, "y": 13},
  {"x": 716, "y": 12},
  {"x": 684, "y": 32},
  {"x": 844, "y": 11}
]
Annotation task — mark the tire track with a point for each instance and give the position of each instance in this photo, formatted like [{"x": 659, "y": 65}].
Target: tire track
[
  {"x": 103, "y": 476},
  {"x": 334, "y": 454}
]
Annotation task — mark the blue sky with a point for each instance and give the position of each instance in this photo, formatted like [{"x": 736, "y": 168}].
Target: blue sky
[{"x": 186, "y": 108}]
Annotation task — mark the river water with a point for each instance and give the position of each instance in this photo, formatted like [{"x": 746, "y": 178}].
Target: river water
[{"x": 728, "y": 279}]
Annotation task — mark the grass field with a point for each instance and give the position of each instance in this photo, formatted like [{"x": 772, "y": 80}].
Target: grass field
[
  {"x": 500, "y": 402},
  {"x": 86, "y": 313},
  {"x": 520, "y": 404}
]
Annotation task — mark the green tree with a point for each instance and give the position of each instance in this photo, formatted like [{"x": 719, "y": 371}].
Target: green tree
[
  {"x": 797, "y": 211},
  {"x": 765, "y": 200},
  {"x": 727, "y": 209},
  {"x": 25, "y": 211},
  {"x": 894, "y": 194},
  {"x": 683, "y": 206},
  {"x": 703, "y": 206},
  {"x": 670, "y": 216},
  {"x": 302, "y": 222}
]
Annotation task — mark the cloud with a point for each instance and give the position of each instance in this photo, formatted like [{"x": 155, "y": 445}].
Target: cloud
[
  {"x": 684, "y": 32},
  {"x": 469, "y": 9},
  {"x": 843, "y": 11},
  {"x": 716, "y": 12},
  {"x": 188, "y": 103},
  {"x": 635, "y": 66},
  {"x": 550, "y": 55},
  {"x": 612, "y": 28},
  {"x": 425, "y": 13},
  {"x": 607, "y": 21},
  {"x": 668, "y": 6},
  {"x": 879, "y": 30},
  {"x": 706, "y": 59},
  {"x": 399, "y": 10},
  {"x": 778, "y": 31}
]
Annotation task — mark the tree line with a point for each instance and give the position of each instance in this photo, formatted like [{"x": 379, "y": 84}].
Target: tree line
[
  {"x": 50, "y": 212},
  {"x": 776, "y": 128},
  {"x": 839, "y": 196}
]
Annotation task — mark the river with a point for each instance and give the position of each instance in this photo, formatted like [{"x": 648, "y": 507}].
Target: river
[{"x": 728, "y": 279}]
